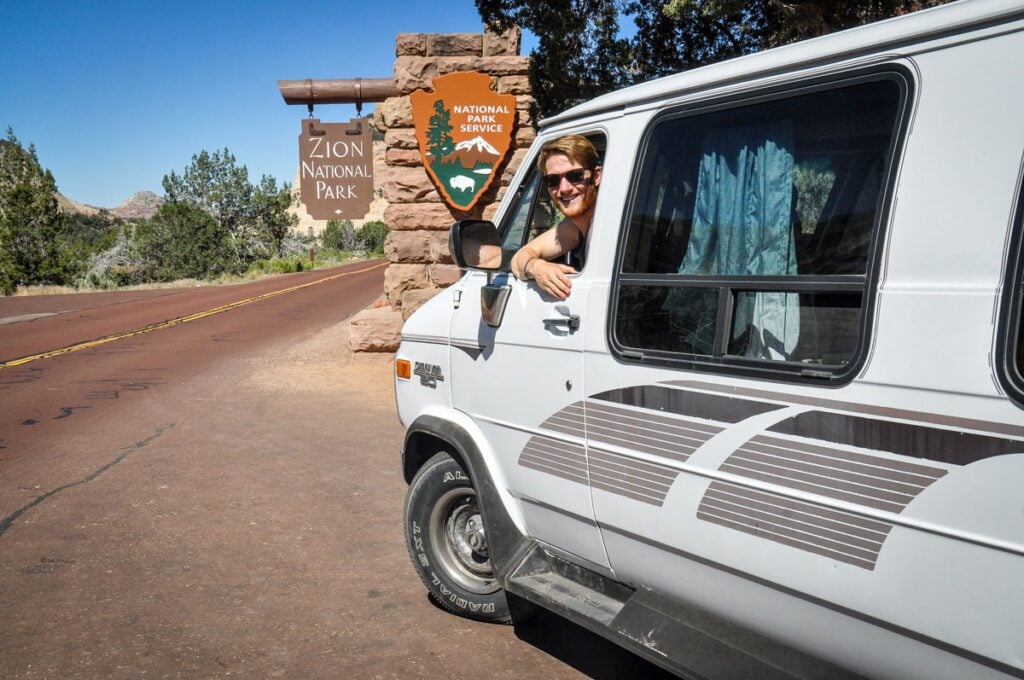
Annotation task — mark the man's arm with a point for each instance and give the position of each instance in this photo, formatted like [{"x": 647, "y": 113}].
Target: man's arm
[{"x": 531, "y": 261}]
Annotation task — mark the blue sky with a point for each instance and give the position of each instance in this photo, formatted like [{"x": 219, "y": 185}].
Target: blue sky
[{"x": 115, "y": 94}]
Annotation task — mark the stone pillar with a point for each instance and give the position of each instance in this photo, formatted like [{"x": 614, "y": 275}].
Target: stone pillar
[{"x": 417, "y": 245}]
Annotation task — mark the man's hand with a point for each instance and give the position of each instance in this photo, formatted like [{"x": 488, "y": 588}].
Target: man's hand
[{"x": 553, "y": 278}]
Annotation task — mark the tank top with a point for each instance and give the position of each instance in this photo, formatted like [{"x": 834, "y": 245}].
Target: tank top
[{"x": 574, "y": 258}]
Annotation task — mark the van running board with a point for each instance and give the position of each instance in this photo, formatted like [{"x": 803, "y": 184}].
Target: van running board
[{"x": 683, "y": 639}]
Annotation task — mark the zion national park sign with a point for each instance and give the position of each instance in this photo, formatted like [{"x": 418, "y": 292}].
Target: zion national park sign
[
  {"x": 336, "y": 169},
  {"x": 464, "y": 130}
]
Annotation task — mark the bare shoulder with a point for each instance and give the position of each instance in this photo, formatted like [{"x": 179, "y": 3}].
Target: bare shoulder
[
  {"x": 548, "y": 245},
  {"x": 567, "y": 235}
]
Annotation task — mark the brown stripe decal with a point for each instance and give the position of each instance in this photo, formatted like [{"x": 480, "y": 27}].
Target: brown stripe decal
[
  {"x": 628, "y": 477},
  {"x": 640, "y": 481},
  {"x": 872, "y": 481},
  {"x": 812, "y": 467},
  {"x": 554, "y": 457},
  {"x": 831, "y": 533},
  {"x": 567, "y": 421},
  {"x": 686, "y": 403},
  {"x": 853, "y": 407},
  {"x": 905, "y": 439},
  {"x": 652, "y": 433}
]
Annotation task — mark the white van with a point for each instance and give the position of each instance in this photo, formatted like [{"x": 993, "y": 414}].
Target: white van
[{"x": 793, "y": 448}]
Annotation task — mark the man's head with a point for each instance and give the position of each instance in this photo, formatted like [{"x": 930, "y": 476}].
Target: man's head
[
  {"x": 570, "y": 171},
  {"x": 576, "y": 148}
]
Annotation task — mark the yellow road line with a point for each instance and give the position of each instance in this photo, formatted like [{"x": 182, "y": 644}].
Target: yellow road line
[{"x": 174, "y": 322}]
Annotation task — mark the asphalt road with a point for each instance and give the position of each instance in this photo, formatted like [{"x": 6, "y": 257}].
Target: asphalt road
[{"x": 194, "y": 488}]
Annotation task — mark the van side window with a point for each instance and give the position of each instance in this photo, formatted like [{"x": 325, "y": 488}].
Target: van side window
[
  {"x": 525, "y": 217},
  {"x": 1010, "y": 337},
  {"x": 532, "y": 212},
  {"x": 750, "y": 234}
]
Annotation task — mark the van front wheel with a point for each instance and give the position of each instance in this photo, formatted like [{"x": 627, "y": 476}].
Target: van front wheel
[{"x": 445, "y": 534}]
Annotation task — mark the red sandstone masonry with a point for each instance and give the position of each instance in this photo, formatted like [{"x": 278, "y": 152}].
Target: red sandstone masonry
[
  {"x": 417, "y": 246},
  {"x": 454, "y": 44}
]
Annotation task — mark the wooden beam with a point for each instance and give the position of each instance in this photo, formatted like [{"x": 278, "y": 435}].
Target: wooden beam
[{"x": 337, "y": 91}]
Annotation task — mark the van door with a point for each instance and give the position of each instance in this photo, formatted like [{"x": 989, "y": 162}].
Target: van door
[{"x": 522, "y": 383}]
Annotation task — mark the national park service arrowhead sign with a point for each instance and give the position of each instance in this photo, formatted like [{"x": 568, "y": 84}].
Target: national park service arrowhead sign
[{"x": 464, "y": 130}]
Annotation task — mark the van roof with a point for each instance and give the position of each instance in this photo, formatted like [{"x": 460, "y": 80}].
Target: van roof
[{"x": 890, "y": 34}]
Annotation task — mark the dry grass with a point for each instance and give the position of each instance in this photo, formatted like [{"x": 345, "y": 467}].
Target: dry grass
[{"x": 25, "y": 291}]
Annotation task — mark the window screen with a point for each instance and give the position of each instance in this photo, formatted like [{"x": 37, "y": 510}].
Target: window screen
[{"x": 750, "y": 234}]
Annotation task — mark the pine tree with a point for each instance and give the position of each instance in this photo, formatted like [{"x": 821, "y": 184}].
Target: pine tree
[
  {"x": 250, "y": 221},
  {"x": 32, "y": 228},
  {"x": 439, "y": 138}
]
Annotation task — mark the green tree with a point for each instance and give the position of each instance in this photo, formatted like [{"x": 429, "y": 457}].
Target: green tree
[
  {"x": 581, "y": 52},
  {"x": 372, "y": 236},
  {"x": 339, "y": 235},
  {"x": 92, "y": 233},
  {"x": 33, "y": 231},
  {"x": 439, "y": 137},
  {"x": 252, "y": 221},
  {"x": 215, "y": 183},
  {"x": 182, "y": 240},
  {"x": 269, "y": 213},
  {"x": 680, "y": 35},
  {"x": 788, "y": 22}
]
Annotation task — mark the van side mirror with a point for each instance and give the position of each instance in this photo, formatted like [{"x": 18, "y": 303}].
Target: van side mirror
[{"x": 475, "y": 245}]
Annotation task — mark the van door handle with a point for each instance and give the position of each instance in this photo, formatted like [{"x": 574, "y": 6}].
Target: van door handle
[{"x": 570, "y": 321}]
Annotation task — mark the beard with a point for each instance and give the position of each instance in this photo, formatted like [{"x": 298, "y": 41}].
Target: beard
[{"x": 581, "y": 203}]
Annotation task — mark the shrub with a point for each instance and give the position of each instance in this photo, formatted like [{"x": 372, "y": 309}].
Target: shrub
[
  {"x": 277, "y": 265},
  {"x": 372, "y": 236},
  {"x": 183, "y": 241},
  {"x": 339, "y": 235}
]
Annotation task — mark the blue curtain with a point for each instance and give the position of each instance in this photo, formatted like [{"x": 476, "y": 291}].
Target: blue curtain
[{"x": 742, "y": 227}]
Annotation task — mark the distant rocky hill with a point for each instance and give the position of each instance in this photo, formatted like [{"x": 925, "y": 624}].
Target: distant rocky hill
[
  {"x": 69, "y": 206},
  {"x": 141, "y": 205}
]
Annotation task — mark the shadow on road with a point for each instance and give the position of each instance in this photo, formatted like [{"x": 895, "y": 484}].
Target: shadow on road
[
  {"x": 577, "y": 647},
  {"x": 585, "y": 651}
]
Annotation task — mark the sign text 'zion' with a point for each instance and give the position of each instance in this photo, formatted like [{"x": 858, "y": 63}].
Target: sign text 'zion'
[{"x": 336, "y": 169}]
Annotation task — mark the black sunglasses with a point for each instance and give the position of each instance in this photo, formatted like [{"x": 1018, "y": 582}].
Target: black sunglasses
[{"x": 576, "y": 177}]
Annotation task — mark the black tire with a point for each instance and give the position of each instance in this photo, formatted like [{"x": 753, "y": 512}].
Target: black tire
[{"x": 446, "y": 539}]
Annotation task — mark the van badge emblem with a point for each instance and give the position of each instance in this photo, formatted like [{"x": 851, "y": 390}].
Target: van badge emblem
[{"x": 429, "y": 374}]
